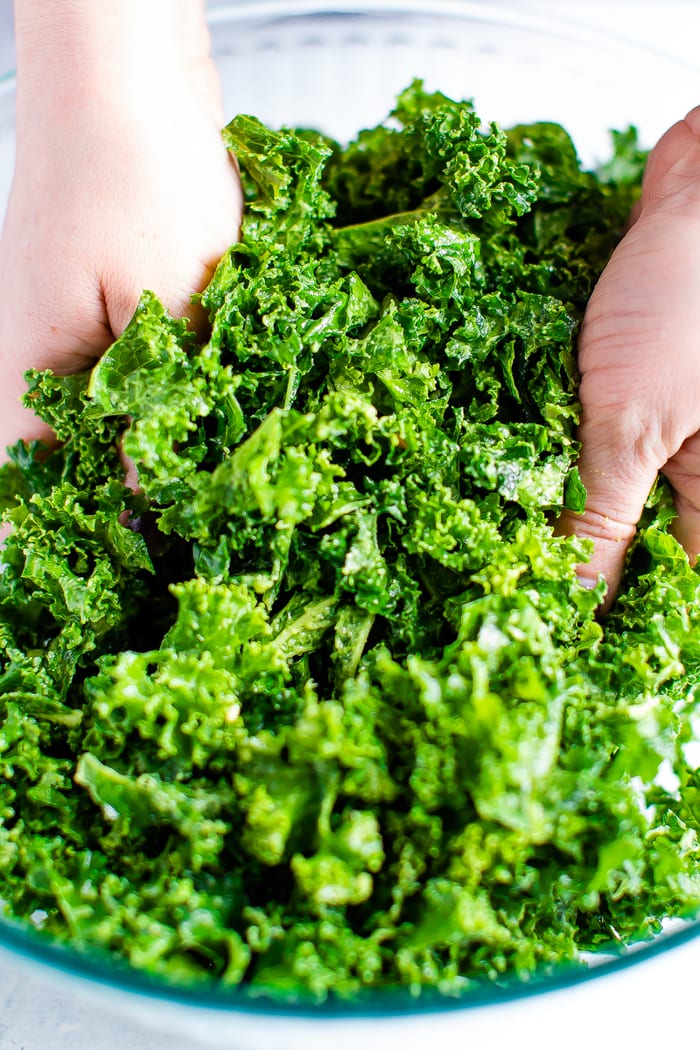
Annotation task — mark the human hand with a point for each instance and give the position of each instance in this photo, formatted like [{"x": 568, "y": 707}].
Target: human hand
[
  {"x": 122, "y": 182},
  {"x": 639, "y": 358}
]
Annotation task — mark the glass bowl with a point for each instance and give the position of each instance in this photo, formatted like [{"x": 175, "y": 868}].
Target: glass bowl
[{"x": 337, "y": 67}]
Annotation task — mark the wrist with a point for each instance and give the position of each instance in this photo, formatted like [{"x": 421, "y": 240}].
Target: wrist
[{"x": 68, "y": 49}]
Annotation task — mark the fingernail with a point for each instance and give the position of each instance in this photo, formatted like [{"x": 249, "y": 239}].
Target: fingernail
[{"x": 587, "y": 581}]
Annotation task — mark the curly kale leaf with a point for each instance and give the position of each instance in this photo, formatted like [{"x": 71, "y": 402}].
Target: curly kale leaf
[{"x": 322, "y": 707}]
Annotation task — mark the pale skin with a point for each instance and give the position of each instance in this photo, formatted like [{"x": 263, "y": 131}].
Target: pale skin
[
  {"x": 639, "y": 357},
  {"x": 122, "y": 183}
]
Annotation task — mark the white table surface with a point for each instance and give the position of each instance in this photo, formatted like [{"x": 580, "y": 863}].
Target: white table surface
[{"x": 652, "y": 1000}]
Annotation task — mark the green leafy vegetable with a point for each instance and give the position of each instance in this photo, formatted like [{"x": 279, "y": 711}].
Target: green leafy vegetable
[{"x": 322, "y": 708}]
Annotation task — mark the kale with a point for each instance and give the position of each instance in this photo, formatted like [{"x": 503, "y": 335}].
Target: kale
[{"x": 322, "y": 707}]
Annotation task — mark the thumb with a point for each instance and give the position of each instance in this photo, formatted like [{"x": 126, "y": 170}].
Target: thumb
[
  {"x": 617, "y": 481},
  {"x": 673, "y": 166}
]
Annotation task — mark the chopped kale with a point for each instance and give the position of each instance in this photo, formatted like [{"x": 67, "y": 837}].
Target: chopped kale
[{"x": 322, "y": 707}]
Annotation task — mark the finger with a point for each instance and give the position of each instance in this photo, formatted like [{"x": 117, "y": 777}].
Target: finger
[
  {"x": 673, "y": 163},
  {"x": 618, "y": 470},
  {"x": 683, "y": 473},
  {"x": 122, "y": 299},
  {"x": 673, "y": 167},
  {"x": 686, "y": 527},
  {"x": 177, "y": 277}
]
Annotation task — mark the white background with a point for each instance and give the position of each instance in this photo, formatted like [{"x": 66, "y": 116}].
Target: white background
[{"x": 671, "y": 25}]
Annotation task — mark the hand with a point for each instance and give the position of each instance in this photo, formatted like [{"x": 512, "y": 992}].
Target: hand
[
  {"x": 122, "y": 183},
  {"x": 639, "y": 357}
]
